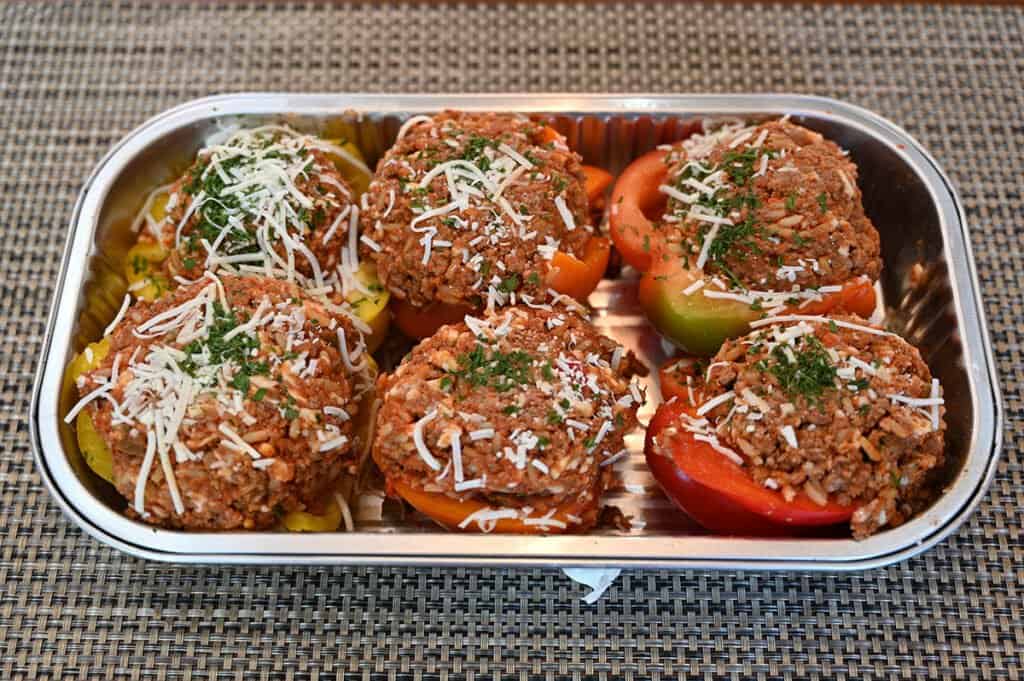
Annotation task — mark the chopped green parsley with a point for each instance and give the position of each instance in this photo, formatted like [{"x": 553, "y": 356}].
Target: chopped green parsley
[
  {"x": 499, "y": 370},
  {"x": 809, "y": 375}
]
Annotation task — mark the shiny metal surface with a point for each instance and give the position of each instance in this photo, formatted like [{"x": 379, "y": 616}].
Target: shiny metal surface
[{"x": 929, "y": 286}]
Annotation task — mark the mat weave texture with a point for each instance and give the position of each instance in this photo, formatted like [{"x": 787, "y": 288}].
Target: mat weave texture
[{"x": 75, "y": 78}]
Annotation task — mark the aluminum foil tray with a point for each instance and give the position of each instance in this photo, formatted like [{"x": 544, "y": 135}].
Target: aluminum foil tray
[{"x": 929, "y": 288}]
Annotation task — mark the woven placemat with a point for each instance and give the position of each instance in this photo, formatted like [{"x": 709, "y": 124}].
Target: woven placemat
[{"x": 76, "y": 77}]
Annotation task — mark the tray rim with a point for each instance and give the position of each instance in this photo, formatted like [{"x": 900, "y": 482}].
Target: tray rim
[{"x": 968, "y": 305}]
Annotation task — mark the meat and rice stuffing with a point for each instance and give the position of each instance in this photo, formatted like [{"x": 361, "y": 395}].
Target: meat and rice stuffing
[
  {"x": 834, "y": 408},
  {"x": 229, "y": 403},
  {"x": 773, "y": 207},
  {"x": 468, "y": 209},
  {"x": 267, "y": 199},
  {"x": 521, "y": 412}
]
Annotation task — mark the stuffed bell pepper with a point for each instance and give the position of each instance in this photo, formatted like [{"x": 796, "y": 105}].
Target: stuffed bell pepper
[{"x": 744, "y": 221}]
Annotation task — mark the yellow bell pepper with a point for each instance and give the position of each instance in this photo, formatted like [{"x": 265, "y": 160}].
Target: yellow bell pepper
[
  {"x": 358, "y": 175},
  {"x": 372, "y": 308},
  {"x": 143, "y": 260},
  {"x": 302, "y": 521},
  {"x": 142, "y": 264},
  {"x": 94, "y": 449}
]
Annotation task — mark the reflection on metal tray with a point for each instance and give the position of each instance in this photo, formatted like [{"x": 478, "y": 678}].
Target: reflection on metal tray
[{"x": 928, "y": 284}]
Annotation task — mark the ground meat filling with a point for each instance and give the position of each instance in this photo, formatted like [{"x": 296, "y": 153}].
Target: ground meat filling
[
  {"x": 232, "y": 400},
  {"x": 468, "y": 209},
  {"x": 526, "y": 408},
  {"x": 267, "y": 199},
  {"x": 772, "y": 207},
  {"x": 835, "y": 409}
]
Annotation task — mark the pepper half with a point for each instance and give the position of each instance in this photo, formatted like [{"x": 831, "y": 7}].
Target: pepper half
[
  {"x": 147, "y": 280},
  {"x": 699, "y": 324},
  {"x": 566, "y": 274},
  {"x": 98, "y": 457},
  {"x": 718, "y": 493},
  {"x": 635, "y": 206},
  {"x": 450, "y": 512},
  {"x": 670, "y": 294}
]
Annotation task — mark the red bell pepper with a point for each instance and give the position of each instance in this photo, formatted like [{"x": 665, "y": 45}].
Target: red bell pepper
[{"x": 718, "y": 493}]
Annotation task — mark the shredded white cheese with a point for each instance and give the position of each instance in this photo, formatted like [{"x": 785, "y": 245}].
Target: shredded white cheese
[
  {"x": 120, "y": 315},
  {"x": 565, "y": 213},
  {"x": 421, "y": 446},
  {"x": 817, "y": 320},
  {"x": 714, "y": 402},
  {"x": 705, "y": 248}
]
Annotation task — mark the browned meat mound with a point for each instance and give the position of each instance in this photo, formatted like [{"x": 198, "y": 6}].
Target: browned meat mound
[
  {"x": 468, "y": 206},
  {"x": 534, "y": 401},
  {"x": 834, "y": 408},
  {"x": 234, "y": 400},
  {"x": 265, "y": 197},
  {"x": 777, "y": 204}
]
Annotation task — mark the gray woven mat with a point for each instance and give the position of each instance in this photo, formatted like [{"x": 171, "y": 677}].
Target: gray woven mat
[{"x": 75, "y": 78}]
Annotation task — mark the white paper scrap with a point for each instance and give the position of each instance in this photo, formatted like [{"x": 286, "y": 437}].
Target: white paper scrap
[{"x": 598, "y": 579}]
